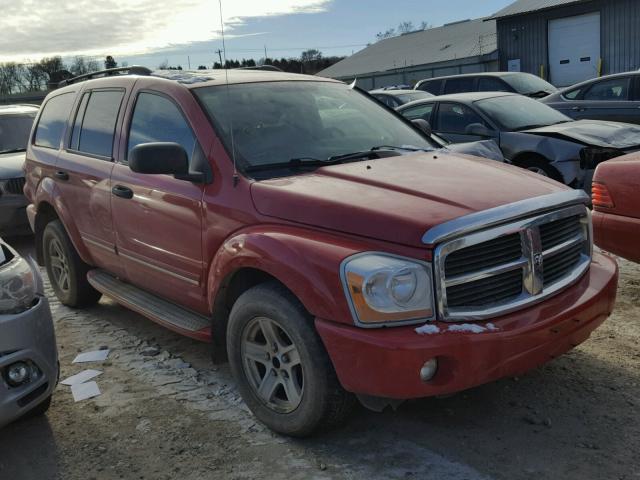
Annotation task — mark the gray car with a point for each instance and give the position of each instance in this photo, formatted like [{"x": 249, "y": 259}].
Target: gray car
[
  {"x": 395, "y": 98},
  {"x": 15, "y": 127},
  {"x": 28, "y": 354},
  {"x": 530, "y": 134},
  {"x": 614, "y": 97}
]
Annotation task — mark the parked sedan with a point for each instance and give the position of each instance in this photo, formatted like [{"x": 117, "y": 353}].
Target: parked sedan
[
  {"x": 616, "y": 197},
  {"x": 614, "y": 97},
  {"x": 29, "y": 358},
  {"x": 529, "y": 133},
  {"x": 395, "y": 98},
  {"x": 513, "y": 82},
  {"x": 15, "y": 126}
]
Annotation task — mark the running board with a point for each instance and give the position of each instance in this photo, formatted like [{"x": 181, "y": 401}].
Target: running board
[{"x": 151, "y": 306}]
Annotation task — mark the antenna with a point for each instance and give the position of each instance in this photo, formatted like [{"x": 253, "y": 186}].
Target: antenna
[{"x": 226, "y": 74}]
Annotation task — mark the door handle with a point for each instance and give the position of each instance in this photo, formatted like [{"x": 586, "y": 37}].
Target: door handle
[
  {"x": 122, "y": 191},
  {"x": 578, "y": 109},
  {"x": 61, "y": 175}
]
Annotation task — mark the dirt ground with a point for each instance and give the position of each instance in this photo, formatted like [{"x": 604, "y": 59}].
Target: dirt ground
[{"x": 172, "y": 415}]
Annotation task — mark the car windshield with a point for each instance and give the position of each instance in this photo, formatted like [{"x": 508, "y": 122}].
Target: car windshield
[
  {"x": 410, "y": 97},
  {"x": 279, "y": 122},
  {"x": 515, "y": 112},
  {"x": 528, "y": 84},
  {"x": 14, "y": 132}
]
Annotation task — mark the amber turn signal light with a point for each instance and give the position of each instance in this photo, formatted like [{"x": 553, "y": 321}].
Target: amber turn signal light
[{"x": 600, "y": 196}]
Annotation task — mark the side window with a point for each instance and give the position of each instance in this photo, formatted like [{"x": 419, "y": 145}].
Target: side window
[
  {"x": 420, "y": 111},
  {"x": 432, "y": 86},
  {"x": 612, "y": 90},
  {"x": 459, "y": 85},
  {"x": 454, "y": 118},
  {"x": 53, "y": 119},
  {"x": 158, "y": 119},
  {"x": 491, "y": 84},
  {"x": 94, "y": 127}
]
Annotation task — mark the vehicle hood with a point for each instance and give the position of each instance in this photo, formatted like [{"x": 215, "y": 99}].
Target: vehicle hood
[
  {"x": 11, "y": 165},
  {"x": 594, "y": 133},
  {"x": 396, "y": 199}
]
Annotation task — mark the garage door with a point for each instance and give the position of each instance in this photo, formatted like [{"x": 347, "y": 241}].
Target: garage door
[{"x": 574, "y": 48}]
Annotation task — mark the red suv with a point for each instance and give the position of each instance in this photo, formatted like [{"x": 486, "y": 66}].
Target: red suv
[{"x": 315, "y": 237}]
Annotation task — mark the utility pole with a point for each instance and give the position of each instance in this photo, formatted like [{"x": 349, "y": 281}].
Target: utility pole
[
  {"x": 219, "y": 52},
  {"x": 265, "y": 54},
  {"x": 189, "y": 62}
]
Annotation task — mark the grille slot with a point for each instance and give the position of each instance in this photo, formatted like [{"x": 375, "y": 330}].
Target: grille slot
[
  {"x": 489, "y": 254},
  {"x": 558, "y": 231},
  {"x": 561, "y": 264},
  {"x": 14, "y": 186},
  {"x": 491, "y": 290}
]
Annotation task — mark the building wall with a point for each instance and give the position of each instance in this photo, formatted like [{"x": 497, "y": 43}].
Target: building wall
[
  {"x": 411, "y": 75},
  {"x": 525, "y": 36}
]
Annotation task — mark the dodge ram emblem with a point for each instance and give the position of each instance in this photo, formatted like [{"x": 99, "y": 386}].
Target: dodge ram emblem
[{"x": 537, "y": 260}]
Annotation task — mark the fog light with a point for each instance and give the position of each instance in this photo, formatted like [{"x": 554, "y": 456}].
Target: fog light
[
  {"x": 428, "y": 370},
  {"x": 18, "y": 373}
]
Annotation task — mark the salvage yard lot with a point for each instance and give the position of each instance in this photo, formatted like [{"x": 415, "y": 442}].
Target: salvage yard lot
[{"x": 166, "y": 413}]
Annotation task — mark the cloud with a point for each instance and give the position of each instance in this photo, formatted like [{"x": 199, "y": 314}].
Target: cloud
[{"x": 36, "y": 28}]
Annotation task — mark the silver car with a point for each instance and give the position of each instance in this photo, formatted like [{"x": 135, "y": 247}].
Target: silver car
[
  {"x": 15, "y": 127},
  {"x": 28, "y": 354}
]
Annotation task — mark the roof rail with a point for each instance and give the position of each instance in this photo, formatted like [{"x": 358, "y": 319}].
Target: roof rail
[
  {"x": 264, "y": 68},
  {"x": 132, "y": 70}
]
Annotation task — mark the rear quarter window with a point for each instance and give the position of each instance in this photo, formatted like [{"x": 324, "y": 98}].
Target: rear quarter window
[{"x": 53, "y": 120}]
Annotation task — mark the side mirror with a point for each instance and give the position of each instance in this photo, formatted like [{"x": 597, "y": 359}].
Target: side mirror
[
  {"x": 478, "y": 130},
  {"x": 423, "y": 125},
  {"x": 159, "y": 158}
]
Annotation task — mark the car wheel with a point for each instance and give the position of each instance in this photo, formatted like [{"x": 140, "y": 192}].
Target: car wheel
[
  {"x": 65, "y": 269},
  {"x": 283, "y": 371},
  {"x": 541, "y": 167}
]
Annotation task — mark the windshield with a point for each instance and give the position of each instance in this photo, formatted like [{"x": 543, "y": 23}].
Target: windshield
[
  {"x": 515, "y": 112},
  {"x": 526, "y": 83},
  {"x": 14, "y": 132},
  {"x": 276, "y": 122},
  {"x": 410, "y": 97}
]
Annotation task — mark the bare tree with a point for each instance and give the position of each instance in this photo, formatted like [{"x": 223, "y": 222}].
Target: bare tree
[{"x": 80, "y": 66}]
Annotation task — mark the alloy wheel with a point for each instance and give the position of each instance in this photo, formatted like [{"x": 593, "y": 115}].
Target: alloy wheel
[
  {"x": 272, "y": 365},
  {"x": 59, "y": 265}
]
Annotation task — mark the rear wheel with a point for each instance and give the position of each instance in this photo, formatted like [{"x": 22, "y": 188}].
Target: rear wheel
[
  {"x": 65, "y": 269},
  {"x": 283, "y": 371}
]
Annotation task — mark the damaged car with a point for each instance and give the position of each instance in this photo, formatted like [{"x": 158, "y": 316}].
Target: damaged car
[
  {"x": 530, "y": 134},
  {"x": 15, "y": 125}
]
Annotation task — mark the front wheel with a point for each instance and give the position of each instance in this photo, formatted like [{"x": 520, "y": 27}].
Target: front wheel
[
  {"x": 541, "y": 167},
  {"x": 283, "y": 371}
]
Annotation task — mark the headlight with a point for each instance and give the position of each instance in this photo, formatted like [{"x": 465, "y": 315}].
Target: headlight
[
  {"x": 17, "y": 286},
  {"x": 385, "y": 289}
]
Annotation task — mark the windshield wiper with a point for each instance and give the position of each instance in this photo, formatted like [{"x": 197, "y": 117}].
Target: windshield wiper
[
  {"x": 14, "y": 150},
  {"x": 367, "y": 153},
  {"x": 538, "y": 94},
  {"x": 292, "y": 163}
]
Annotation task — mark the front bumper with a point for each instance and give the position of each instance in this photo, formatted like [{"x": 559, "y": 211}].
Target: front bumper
[
  {"x": 387, "y": 362},
  {"x": 27, "y": 336},
  {"x": 13, "y": 215}
]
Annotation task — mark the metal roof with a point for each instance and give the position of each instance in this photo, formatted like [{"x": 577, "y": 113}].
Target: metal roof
[
  {"x": 520, "y": 7},
  {"x": 441, "y": 44}
]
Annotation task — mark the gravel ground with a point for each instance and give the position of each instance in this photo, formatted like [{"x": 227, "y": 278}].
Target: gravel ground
[{"x": 166, "y": 413}]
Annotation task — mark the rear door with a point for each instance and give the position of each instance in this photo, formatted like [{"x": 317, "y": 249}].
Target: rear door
[
  {"x": 84, "y": 169},
  {"x": 608, "y": 99},
  {"x": 157, "y": 218}
]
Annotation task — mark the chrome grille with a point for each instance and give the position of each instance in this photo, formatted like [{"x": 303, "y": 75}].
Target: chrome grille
[
  {"x": 14, "y": 186},
  {"x": 506, "y": 267}
]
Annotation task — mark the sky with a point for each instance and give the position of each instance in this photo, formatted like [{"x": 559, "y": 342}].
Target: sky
[{"x": 183, "y": 32}]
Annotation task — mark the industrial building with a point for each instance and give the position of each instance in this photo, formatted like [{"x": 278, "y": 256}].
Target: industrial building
[
  {"x": 567, "y": 41},
  {"x": 462, "y": 47}
]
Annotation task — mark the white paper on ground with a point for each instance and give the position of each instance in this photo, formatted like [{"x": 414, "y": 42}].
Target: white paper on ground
[
  {"x": 81, "y": 377},
  {"x": 82, "y": 391},
  {"x": 96, "y": 356}
]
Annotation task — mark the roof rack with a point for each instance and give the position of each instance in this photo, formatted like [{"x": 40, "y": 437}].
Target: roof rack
[
  {"x": 132, "y": 70},
  {"x": 264, "y": 68}
]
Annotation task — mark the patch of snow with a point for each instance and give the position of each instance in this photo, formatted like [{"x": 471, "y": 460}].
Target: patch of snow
[
  {"x": 492, "y": 327},
  {"x": 428, "y": 329},
  {"x": 467, "y": 327}
]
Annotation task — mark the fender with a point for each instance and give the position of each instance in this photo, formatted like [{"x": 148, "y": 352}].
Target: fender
[
  {"x": 307, "y": 262},
  {"x": 49, "y": 192}
]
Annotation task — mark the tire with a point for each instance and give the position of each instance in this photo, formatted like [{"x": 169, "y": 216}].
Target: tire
[
  {"x": 39, "y": 409},
  {"x": 65, "y": 269},
  {"x": 541, "y": 167},
  {"x": 303, "y": 395}
]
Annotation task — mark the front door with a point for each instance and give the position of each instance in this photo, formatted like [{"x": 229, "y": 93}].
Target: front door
[{"x": 157, "y": 218}]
